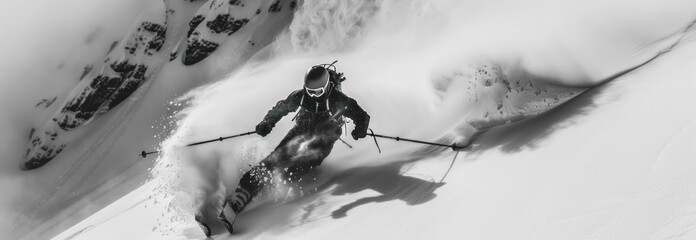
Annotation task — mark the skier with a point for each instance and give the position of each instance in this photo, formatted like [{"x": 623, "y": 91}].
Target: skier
[{"x": 318, "y": 125}]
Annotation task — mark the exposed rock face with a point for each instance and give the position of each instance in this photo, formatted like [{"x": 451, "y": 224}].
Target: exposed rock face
[
  {"x": 224, "y": 23},
  {"x": 127, "y": 87},
  {"x": 193, "y": 24},
  {"x": 198, "y": 50},
  {"x": 103, "y": 86},
  {"x": 111, "y": 86},
  {"x": 275, "y": 7},
  {"x": 157, "y": 39},
  {"x": 219, "y": 21},
  {"x": 142, "y": 53}
]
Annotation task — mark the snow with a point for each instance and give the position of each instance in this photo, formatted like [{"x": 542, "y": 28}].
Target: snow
[
  {"x": 99, "y": 164},
  {"x": 46, "y": 53},
  {"x": 615, "y": 171},
  {"x": 560, "y": 162}
]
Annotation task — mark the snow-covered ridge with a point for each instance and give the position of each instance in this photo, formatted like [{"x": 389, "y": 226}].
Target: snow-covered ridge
[{"x": 143, "y": 52}]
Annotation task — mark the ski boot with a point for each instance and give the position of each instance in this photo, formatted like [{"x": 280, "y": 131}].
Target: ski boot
[
  {"x": 203, "y": 225},
  {"x": 234, "y": 203}
]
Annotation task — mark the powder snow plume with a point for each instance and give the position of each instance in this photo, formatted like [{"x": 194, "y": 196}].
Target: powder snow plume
[{"x": 427, "y": 70}]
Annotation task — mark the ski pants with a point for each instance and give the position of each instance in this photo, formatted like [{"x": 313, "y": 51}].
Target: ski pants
[{"x": 303, "y": 148}]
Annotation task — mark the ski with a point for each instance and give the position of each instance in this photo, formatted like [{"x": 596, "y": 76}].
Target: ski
[
  {"x": 204, "y": 226},
  {"x": 225, "y": 215}
]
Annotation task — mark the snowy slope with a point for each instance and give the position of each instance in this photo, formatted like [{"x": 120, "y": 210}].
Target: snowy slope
[
  {"x": 615, "y": 162},
  {"x": 428, "y": 70}
]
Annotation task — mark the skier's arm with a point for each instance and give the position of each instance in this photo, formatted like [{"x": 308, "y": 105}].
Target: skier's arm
[
  {"x": 283, "y": 107},
  {"x": 359, "y": 117}
]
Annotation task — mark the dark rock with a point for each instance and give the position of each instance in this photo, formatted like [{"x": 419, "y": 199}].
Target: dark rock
[
  {"x": 224, "y": 23},
  {"x": 47, "y": 102},
  {"x": 193, "y": 24},
  {"x": 197, "y": 50},
  {"x": 155, "y": 44},
  {"x": 173, "y": 55},
  {"x": 42, "y": 158},
  {"x": 85, "y": 105},
  {"x": 86, "y": 71},
  {"x": 275, "y": 7},
  {"x": 113, "y": 45},
  {"x": 35, "y": 141},
  {"x": 31, "y": 132},
  {"x": 131, "y": 47},
  {"x": 139, "y": 73},
  {"x": 123, "y": 68},
  {"x": 157, "y": 31},
  {"x": 67, "y": 123},
  {"x": 127, "y": 88},
  {"x": 123, "y": 93}
]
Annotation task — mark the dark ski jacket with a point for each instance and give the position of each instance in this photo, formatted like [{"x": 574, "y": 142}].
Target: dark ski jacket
[{"x": 330, "y": 107}]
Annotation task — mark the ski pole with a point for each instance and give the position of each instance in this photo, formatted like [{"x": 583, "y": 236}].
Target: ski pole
[
  {"x": 375, "y": 136},
  {"x": 344, "y": 142},
  {"x": 144, "y": 153}
]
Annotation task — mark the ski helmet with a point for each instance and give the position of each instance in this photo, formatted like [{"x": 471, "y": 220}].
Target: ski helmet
[{"x": 316, "y": 82}]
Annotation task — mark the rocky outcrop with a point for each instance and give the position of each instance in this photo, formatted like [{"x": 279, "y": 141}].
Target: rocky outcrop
[
  {"x": 141, "y": 54},
  {"x": 219, "y": 21},
  {"x": 103, "y": 86}
]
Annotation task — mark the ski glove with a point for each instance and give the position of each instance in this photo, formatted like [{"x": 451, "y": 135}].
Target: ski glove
[
  {"x": 263, "y": 129},
  {"x": 357, "y": 134}
]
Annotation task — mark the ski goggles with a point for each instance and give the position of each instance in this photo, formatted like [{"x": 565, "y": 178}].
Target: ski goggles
[{"x": 317, "y": 92}]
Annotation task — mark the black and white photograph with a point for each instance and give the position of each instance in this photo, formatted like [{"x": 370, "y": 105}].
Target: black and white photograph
[{"x": 348, "y": 119}]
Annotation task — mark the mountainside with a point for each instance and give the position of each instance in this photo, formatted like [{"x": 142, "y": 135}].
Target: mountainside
[{"x": 154, "y": 40}]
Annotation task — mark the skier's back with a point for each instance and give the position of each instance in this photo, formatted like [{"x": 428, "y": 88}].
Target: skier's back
[{"x": 318, "y": 125}]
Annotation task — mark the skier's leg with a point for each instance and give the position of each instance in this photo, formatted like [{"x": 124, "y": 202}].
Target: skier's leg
[
  {"x": 250, "y": 185},
  {"x": 254, "y": 180},
  {"x": 204, "y": 226},
  {"x": 324, "y": 137}
]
